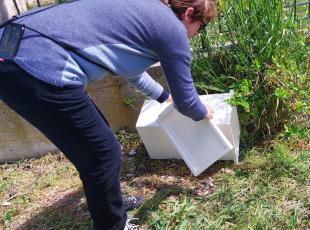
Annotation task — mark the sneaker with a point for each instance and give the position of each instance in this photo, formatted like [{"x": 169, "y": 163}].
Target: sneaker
[
  {"x": 132, "y": 202},
  {"x": 130, "y": 226}
]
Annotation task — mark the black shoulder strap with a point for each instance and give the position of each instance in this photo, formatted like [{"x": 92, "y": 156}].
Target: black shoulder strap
[{"x": 4, "y": 24}]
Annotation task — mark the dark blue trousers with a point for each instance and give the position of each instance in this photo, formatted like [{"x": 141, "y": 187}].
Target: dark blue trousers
[{"x": 69, "y": 118}]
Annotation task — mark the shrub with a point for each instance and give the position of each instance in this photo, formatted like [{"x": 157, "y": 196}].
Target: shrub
[{"x": 257, "y": 49}]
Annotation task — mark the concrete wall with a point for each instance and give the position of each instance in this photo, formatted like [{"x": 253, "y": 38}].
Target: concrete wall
[
  {"x": 8, "y": 9},
  {"x": 19, "y": 140}
]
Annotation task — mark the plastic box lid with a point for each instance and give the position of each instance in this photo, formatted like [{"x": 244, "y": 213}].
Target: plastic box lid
[
  {"x": 149, "y": 113},
  {"x": 199, "y": 143},
  {"x": 154, "y": 138}
]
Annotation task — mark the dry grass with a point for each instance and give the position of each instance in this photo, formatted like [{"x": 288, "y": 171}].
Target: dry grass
[{"x": 270, "y": 188}]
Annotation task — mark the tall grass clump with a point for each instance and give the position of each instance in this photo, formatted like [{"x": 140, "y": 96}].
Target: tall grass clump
[{"x": 262, "y": 53}]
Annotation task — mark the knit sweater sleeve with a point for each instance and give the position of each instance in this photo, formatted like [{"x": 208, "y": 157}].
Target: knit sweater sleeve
[
  {"x": 174, "y": 54},
  {"x": 145, "y": 84}
]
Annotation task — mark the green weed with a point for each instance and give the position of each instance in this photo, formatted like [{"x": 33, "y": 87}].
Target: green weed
[
  {"x": 260, "y": 51},
  {"x": 267, "y": 191}
]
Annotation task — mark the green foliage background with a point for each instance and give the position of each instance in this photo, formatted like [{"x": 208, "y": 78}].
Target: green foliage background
[{"x": 257, "y": 49}]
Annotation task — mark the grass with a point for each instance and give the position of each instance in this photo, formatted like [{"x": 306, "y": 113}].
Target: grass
[
  {"x": 261, "y": 52},
  {"x": 254, "y": 195},
  {"x": 264, "y": 57},
  {"x": 268, "y": 189}
]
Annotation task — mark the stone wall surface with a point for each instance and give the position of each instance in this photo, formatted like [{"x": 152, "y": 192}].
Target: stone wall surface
[
  {"x": 8, "y": 9},
  {"x": 19, "y": 140}
]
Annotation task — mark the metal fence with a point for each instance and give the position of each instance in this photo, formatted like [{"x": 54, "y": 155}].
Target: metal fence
[
  {"x": 288, "y": 4},
  {"x": 38, "y": 4},
  {"x": 296, "y": 5}
]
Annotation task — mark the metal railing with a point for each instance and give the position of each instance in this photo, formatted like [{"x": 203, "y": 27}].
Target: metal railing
[
  {"x": 38, "y": 4},
  {"x": 295, "y": 6}
]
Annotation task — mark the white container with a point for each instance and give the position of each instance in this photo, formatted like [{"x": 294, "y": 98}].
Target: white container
[
  {"x": 226, "y": 118},
  {"x": 154, "y": 138},
  {"x": 199, "y": 143},
  {"x": 158, "y": 144}
]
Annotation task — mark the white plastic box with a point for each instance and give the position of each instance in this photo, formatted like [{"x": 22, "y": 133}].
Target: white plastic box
[
  {"x": 168, "y": 134},
  {"x": 199, "y": 143},
  {"x": 226, "y": 118},
  {"x": 154, "y": 139}
]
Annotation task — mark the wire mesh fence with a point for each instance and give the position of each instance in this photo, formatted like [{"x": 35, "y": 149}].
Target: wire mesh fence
[
  {"x": 299, "y": 7},
  {"x": 302, "y": 8}
]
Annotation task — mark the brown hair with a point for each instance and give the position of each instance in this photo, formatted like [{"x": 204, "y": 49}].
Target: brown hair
[{"x": 204, "y": 10}]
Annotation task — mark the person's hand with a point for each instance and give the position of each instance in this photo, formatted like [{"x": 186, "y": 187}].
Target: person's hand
[
  {"x": 169, "y": 99},
  {"x": 210, "y": 111}
]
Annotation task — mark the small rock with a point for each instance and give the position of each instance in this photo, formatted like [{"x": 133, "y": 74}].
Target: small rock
[
  {"x": 227, "y": 170},
  {"x": 210, "y": 182},
  {"x": 132, "y": 152}
]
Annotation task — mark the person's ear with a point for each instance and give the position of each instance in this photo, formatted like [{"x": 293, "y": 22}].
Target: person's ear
[{"x": 187, "y": 14}]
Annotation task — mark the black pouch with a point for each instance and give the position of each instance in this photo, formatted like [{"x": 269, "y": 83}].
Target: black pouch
[{"x": 10, "y": 40}]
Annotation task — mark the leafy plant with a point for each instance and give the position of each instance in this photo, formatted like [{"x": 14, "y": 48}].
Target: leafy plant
[
  {"x": 8, "y": 215},
  {"x": 258, "y": 50},
  {"x": 130, "y": 102}
]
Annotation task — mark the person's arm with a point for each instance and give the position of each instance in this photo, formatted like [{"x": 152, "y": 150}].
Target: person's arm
[
  {"x": 145, "y": 84},
  {"x": 183, "y": 92},
  {"x": 173, "y": 49}
]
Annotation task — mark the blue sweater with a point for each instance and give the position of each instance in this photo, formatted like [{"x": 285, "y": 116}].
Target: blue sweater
[{"x": 124, "y": 37}]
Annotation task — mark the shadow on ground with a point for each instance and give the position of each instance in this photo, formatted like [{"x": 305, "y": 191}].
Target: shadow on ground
[
  {"x": 69, "y": 212},
  {"x": 141, "y": 165},
  {"x": 163, "y": 178},
  {"x": 152, "y": 204},
  {"x": 160, "y": 179}
]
